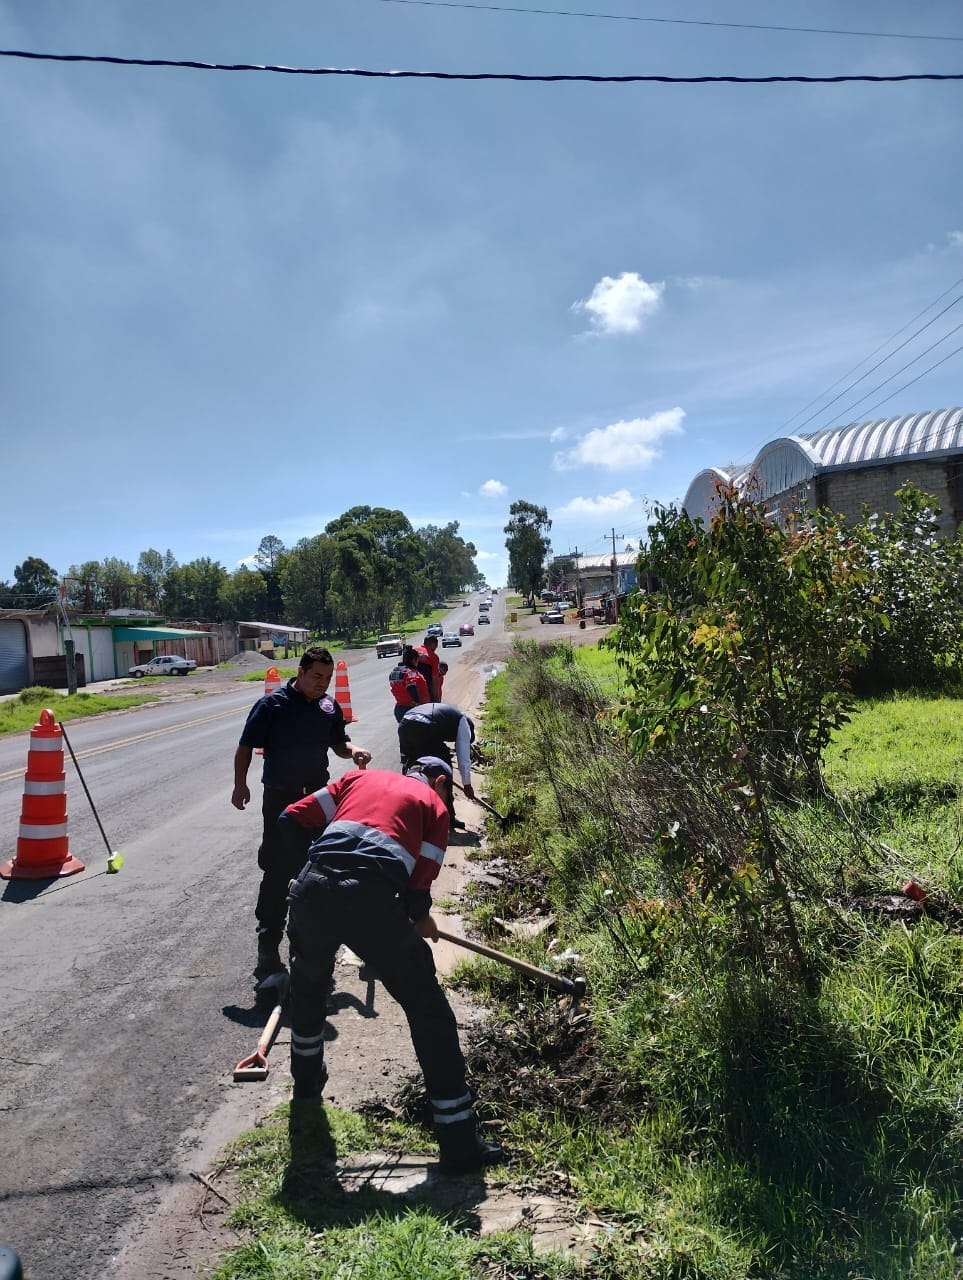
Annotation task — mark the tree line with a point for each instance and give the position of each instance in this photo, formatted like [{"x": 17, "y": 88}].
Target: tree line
[{"x": 368, "y": 570}]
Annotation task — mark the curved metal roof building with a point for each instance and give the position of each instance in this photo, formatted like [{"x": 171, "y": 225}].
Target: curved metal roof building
[{"x": 795, "y": 463}]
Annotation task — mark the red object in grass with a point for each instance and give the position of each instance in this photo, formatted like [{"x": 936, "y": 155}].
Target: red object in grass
[{"x": 912, "y": 890}]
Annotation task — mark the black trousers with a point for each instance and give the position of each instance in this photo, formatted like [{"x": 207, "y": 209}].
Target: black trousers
[
  {"x": 278, "y": 867},
  {"x": 359, "y": 908},
  {"x": 416, "y": 739}
]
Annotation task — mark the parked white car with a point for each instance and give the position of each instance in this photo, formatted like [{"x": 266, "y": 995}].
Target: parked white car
[{"x": 168, "y": 664}]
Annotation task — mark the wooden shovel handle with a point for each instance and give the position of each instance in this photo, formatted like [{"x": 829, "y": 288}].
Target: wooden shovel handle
[{"x": 554, "y": 980}]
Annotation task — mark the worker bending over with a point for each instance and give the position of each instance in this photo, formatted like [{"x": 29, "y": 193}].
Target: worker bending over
[{"x": 374, "y": 843}]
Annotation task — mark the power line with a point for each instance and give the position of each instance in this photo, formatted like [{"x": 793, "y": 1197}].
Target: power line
[
  {"x": 956, "y": 351},
  {"x": 681, "y": 22},
  {"x": 368, "y": 74},
  {"x": 880, "y": 363},
  {"x": 882, "y": 346}
]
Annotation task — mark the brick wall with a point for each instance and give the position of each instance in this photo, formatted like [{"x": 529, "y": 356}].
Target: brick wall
[{"x": 845, "y": 492}]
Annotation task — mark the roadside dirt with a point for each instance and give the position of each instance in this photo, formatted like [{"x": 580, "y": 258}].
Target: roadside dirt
[{"x": 368, "y": 1053}]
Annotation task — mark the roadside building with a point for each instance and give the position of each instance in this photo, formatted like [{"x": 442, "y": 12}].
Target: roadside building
[{"x": 848, "y": 467}]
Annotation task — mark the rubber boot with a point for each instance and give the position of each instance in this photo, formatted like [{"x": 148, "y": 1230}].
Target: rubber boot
[
  {"x": 310, "y": 1085},
  {"x": 268, "y": 960},
  {"x": 462, "y": 1151}
]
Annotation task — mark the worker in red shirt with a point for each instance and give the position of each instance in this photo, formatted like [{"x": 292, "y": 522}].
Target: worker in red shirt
[
  {"x": 408, "y": 686},
  {"x": 428, "y": 662},
  {"x": 374, "y": 843}
]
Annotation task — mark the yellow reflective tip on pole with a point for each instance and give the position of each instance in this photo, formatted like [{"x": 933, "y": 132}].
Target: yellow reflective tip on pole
[{"x": 115, "y": 862}]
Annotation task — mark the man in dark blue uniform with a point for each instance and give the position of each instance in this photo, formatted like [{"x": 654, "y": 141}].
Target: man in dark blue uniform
[
  {"x": 295, "y": 727},
  {"x": 426, "y": 730}
]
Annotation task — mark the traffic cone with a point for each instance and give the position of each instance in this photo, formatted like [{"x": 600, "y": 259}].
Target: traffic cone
[
  {"x": 42, "y": 846},
  {"x": 272, "y": 682},
  {"x": 342, "y": 693}
]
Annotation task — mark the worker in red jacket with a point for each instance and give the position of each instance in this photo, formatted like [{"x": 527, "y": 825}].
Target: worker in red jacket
[
  {"x": 374, "y": 844},
  {"x": 408, "y": 686},
  {"x": 428, "y": 662}
]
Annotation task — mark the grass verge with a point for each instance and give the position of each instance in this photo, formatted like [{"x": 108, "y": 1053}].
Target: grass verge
[{"x": 22, "y": 712}]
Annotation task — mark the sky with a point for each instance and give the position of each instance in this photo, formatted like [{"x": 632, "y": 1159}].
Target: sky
[{"x": 235, "y": 304}]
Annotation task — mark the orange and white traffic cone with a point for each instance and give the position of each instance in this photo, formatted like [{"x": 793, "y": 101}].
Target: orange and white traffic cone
[
  {"x": 342, "y": 692},
  {"x": 42, "y": 852},
  {"x": 272, "y": 682}
]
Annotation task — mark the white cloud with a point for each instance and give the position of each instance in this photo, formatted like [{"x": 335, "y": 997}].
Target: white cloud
[
  {"x": 622, "y": 444},
  {"x": 956, "y": 239},
  {"x": 493, "y": 489},
  {"x": 602, "y": 505},
  {"x": 487, "y": 555},
  {"x": 622, "y": 305},
  {"x": 558, "y": 434}
]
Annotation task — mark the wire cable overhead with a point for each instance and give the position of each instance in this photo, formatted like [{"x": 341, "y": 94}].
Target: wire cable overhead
[
  {"x": 677, "y": 22},
  {"x": 370, "y": 74}
]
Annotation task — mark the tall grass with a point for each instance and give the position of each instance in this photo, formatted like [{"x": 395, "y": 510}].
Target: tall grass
[{"x": 802, "y": 1134}]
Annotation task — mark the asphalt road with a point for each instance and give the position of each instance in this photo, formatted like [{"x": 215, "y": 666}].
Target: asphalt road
[{"x": 127, "y": 998}]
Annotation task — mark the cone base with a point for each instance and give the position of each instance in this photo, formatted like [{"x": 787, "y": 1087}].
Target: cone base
[{"x": 13, "y": 870}]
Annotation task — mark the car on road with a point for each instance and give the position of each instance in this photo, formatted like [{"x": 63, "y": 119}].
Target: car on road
[
  {"x": 466, "y": 629},
  {"x": 389, "y": 645},
  {"x": 451, "y": 639},
  {"x": 465, "y": 604},
  {"x": 435, "y": 629},
  {"x": 168, "y": 664},
  {"x": 483, "y": 617},
  {"x": 552, "y": 615}
]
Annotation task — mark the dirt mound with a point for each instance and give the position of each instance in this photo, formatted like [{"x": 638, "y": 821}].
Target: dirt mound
[{"x": 251, "y": 659}]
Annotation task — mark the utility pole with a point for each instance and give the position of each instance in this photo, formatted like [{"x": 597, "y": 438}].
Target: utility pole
[
  {"x": 578, "y": 578},
  {"x": 614, "y": 566}
]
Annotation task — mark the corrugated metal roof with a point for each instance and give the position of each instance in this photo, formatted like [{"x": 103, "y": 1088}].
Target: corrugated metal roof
[
  {"x": 914, "y": 435},
  {"x": 156, "y": 633}
]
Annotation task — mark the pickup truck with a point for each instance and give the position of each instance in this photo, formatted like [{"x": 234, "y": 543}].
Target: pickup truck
[
  {"x": 390, "y": 645},
  {"x": 168, "y": 664}
]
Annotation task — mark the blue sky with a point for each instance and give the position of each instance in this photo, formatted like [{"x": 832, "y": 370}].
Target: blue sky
[{"x": 239, "y": 304}]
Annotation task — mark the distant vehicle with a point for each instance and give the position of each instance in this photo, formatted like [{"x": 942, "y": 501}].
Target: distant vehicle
[
  {"x": 483, "y": 617},
  {"x": 552, "y": 615},
  {"x": 435, "y": 629},
  {"x": 169, "y": 664},
  {"x": 494, "y": 591},
  {"x": 485, "y": 605},
  {"x": 390, "y": 644},
  {"x": 450, "y": 639},
  {"x": 465, "y": 604},
  {"x": 466, "y": 629}
]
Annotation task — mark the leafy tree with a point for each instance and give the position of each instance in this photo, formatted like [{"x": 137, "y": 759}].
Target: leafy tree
[
  {"x": 150, "y": 575},
  {"x": 740, "y": 659},
  {"x": 84, "y": 589},
  {"x": 448, "y": 559},
  {"x": 744, "y": 652},
  {"x": 194, "y": 590},
  {"x": 918, "y": 577},
  {"x": 268, "y": 558},
  {"x": 119, "y": 583},
  {"x": 352, "y": 584},
  {"x": 35, "y": 582},
  {"x": 242, "y": 595},
  {"x": 307, "y": 578},
  {"x": 528, "y": 546},
  {"x": 269, "y": 552}
]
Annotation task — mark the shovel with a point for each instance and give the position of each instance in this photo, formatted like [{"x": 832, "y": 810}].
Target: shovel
[
  {"x": 255, "y": 1066},
  {"x": 574, "y": 987}
]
